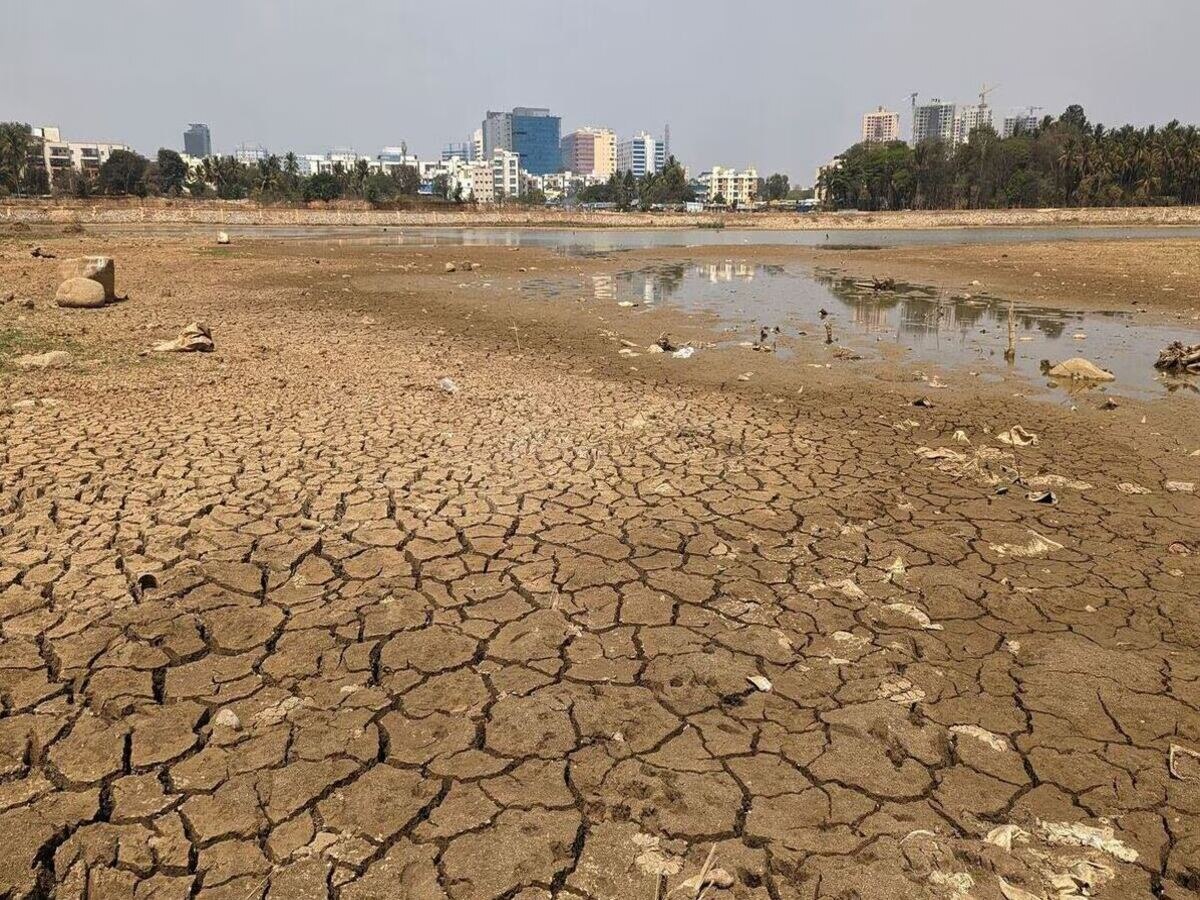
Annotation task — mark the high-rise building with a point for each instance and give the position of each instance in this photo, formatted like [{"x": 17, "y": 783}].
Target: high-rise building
[
  {"x": 934, "y": 121},
  {"x": 506, "y": 174},
  {"x": 197, "y": 141},
  {"x": 590, "y": 151},
  {"x": 1024, "y": 122},
  {"x": 641, "y": 154},
  {"x": 530, "y": 132},
  {"x": 880, "y": 126},
  {"x": 968, "y": 118},
  {"x": 477, "y": 144}
]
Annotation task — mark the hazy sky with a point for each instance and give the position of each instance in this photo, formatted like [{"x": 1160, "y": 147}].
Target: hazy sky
[{"x": 778, "y": 84}]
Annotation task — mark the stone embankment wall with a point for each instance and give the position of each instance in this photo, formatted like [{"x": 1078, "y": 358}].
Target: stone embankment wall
[{"x": 244, "y": 213}]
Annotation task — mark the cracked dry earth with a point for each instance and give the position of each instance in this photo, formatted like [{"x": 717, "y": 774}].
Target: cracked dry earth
[{"x": 288, "y": 621}]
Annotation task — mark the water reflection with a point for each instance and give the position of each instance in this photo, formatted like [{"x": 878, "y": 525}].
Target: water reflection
[{"x": 942, "y": 328}]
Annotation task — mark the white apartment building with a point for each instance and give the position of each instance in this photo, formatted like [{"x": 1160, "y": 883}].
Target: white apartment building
[
  {"x": 1021, "y": 123},
  {"x": 934, "y": 121},
  {"x": 249, "y": 154},
  {"x": 82, "y": 156},
  {"x": 968, "y": 119},
  {"x": 880, "y": 126},
  {"x": 734, "y": 187},
  {"x": 641, "y": 154},
  {"x": 506, "y": 174}
]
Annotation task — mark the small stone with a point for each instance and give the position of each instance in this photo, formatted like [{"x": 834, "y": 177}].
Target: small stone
[
  {"x": 222, "y": 237},
  {"x": 451, "y": 267},
  {"x": 227, "y": 718}
]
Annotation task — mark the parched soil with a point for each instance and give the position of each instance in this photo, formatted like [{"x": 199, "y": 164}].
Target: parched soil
[{"x": 291, "y": 619}]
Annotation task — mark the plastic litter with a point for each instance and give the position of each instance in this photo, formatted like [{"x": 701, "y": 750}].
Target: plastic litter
[{"x": 1017, "y": 436}]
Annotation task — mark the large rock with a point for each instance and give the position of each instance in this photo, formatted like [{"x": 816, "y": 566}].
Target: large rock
[
  {"x": 80, "y": 293},
  {"x": 100, "y": 269}
]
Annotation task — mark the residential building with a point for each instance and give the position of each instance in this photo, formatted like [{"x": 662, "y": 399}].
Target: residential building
[
  {"x": 506, "y": 173},
  {"x": 249, "y": 154},
  {"x": 392, "y": 158},
  {"x": 968, "y": 118},
  {"x": 590, "y": 151},
  {"x": 736, "y": 188},
  {"x": 641, "y": 154},
  {"x": 880, "y": 126},
  {"x": 82, "y": 156},
  {"x": 530, "y": 132},
  {"x": 477, "y": 144},
  {"x": 462, "y": 150},
  {"x": 1022, "y": 123},
  {"x": 472, "y": 180},
  {"x": 933, "y": 121},
  {"x": 197, "y": 140}
]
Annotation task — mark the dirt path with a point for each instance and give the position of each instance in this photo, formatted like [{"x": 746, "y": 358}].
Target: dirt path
[{"x": 290, "y": 620}]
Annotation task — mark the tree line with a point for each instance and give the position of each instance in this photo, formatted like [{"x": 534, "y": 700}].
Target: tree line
[
  {"x": 127, "y": 173},
  {"x": 1066, "y": 161}
]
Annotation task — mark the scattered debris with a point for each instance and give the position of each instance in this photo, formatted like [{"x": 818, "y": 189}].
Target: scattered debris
[
  {"x": 1005, "y": 835},
  {"x": 222, "y": 237},
  {"x": 846, "y": 353},
  {"x": 1012, "y": 892},
  {"x": 684, "y": 353},
  {"x": 923, "y": 403},
  {"x": 917, "y": 615},
  {"x": 1180, "y": 487},
  {"x": 1129, "y": 487},
  {"x": 899, "y": 689},
  {"x": 995, "y": 741},
  {"x": 196, "y": 338},
  {"x": 664, "y": 343},
  {"x": 828, "y": 332},
  {"x": 448, "y": 386},
  {"x": 896, "y": 570},
  {"x": 1036, "y": 546},
  {"x": 39, "y": 253},
  {"x": 1047, "y": 497},
  {"x": 745, "y": 376},
  {"x": 1079, "y": 835},
  {"x": 53, "y": 359},
  {"x": 1017, "y": 436},
  {"x": 654, "y": 860},
  {"x": 625, "y": 304},
  {"x": 450, "y": 267},
  {"x": 1109, "y": 403},
  {"x": 1180, "y": 359},
  {"x": 1079, "y": 368},
  {"x": 1048, "y": 481},
  {"x": 960, "y": 437},
  {"x": 759, "y": 682},
  {"x": 883, "y": 284},
  {"x": 846, "y": 587},
  {"x": 1183, "y": 763}
]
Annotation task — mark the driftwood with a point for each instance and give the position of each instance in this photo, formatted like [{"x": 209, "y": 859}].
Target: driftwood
[{"x": 1180, "y": 359}]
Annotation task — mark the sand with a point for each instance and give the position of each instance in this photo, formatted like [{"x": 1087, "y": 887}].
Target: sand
[{"x": 290, "y": 620}]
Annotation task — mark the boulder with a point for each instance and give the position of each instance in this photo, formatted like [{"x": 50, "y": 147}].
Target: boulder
[
  {"x": 100, "y": 269},
  {"x": 55, "y": 359},
  {"x": 222, "y": 237},
  {"x": 80, "y": 293},
  {"x": 1080, "y": 368}
]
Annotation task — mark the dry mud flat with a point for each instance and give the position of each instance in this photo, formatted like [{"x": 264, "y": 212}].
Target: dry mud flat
[{"x": 288, "y": 620}]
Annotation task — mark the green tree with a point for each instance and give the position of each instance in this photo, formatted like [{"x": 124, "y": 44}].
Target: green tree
[
  {"x": 441, "y": 187},
  {"x": 21, "y": 171},
  {"x": 172, "y": 172},
  {"x": 122, "y": 173},
  {"x": 776, "y": 187},
  {"x": 322, "y": 186}
]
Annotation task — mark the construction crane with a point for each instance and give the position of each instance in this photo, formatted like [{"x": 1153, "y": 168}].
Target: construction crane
[{"x": 984, "y": 92}]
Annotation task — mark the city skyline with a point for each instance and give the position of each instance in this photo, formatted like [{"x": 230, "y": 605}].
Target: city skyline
[{"x": 788, "y": 106}]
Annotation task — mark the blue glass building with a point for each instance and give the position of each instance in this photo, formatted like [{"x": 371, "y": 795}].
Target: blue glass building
[{"x": 535, "y": 138}]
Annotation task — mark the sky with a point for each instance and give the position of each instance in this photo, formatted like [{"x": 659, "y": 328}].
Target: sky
[{"x": 780, "y": 85}]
